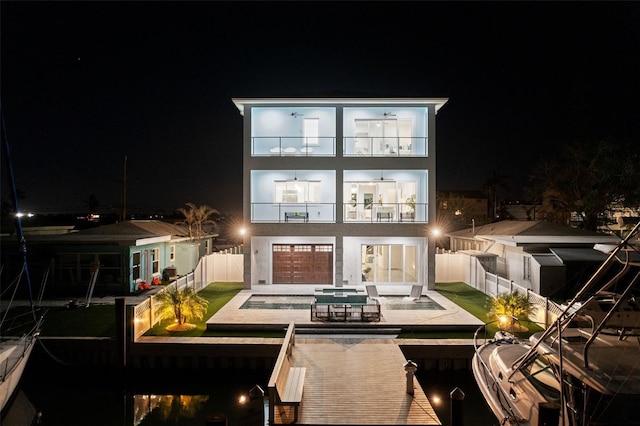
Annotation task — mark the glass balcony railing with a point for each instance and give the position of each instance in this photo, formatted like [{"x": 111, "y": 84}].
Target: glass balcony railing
[
  {"x": 293, "y": 212},
  {"x": 385, "y": 212},
  {"x": 284, "y": 146},
  {"x": 326, "y": 213},
  {"x": 375, "y": 146}
]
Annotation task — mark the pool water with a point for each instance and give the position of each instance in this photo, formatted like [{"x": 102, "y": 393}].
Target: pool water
[
  {"x": 394, "y": 303},
  {"x": 425, "y": 303},
  {"x": 278, "y": 302}
]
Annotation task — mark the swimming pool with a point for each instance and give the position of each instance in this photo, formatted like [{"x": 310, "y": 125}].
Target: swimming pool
[{"x": 394, "y": 303}]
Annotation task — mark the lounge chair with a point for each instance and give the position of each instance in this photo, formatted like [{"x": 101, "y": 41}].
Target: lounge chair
[
  {"x": 372, "y": 292},
  {"x": 416, "y": 292}
]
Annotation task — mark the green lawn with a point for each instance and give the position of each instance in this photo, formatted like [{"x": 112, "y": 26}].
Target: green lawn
[
  {"x": 99, "y": 320},
  {"x": 474, "y": 302}
]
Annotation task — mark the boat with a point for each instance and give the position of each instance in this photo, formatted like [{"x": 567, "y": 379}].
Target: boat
[
  {"x": 584, "y": 368},
  {"x": 14, "y": 354},
  {"x": 19, "y": 328}
]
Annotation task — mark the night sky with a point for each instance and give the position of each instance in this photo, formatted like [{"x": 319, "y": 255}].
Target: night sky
[{"x": 85, "y": 84}]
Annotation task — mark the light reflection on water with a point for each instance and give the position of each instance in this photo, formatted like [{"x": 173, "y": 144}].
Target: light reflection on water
[{"x": 68, "y": 396}]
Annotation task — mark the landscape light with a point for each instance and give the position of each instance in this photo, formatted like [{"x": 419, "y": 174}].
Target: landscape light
[{"x": 503, "y": 320}]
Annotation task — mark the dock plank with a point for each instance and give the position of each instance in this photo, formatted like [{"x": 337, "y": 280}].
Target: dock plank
[{"x": 356, "y": 381}]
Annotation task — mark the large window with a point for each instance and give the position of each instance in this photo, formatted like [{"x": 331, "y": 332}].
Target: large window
[
  {"x": 385, "y": 131},
  {"x": 389, "y": 263},
  {"x": 383, "y": 137},
  {"x": 293, "y": 131},
  {"x": 380, "y": 200},
  {"x": 297, "y": 191}
]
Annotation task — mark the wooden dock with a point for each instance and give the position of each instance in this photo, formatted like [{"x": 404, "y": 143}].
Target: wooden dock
[{"x": 355, "y": 381}]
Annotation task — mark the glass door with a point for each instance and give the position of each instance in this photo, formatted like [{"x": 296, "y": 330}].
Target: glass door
[
  {"x": 379, "y": 137},
  {"x": 389, "y": 263}
]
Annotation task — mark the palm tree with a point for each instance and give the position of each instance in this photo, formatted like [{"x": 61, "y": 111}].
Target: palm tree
[
  {"x": 180, "y": 305},
  {"x": 189, "y": 217},
  {"x": 195, "y": 218},
  {"x": 511, "y": 307},
  {"x": 203, "y": 217}
]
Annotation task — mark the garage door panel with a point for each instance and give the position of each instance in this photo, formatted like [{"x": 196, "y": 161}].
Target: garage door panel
[{"x": 302, "y": 264}]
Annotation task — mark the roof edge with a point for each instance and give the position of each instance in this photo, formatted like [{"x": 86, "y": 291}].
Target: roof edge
[{"x": 241, "y": 102}]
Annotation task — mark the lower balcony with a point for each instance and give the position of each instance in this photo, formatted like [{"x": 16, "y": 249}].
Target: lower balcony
[{"x": 293, "y": 212}]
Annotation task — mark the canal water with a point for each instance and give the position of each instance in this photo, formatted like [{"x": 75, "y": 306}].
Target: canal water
[{"x": 55, "y": 394}]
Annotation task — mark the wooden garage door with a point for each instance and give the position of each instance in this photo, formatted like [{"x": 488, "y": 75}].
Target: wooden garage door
[{"x": 302, "y": 264}]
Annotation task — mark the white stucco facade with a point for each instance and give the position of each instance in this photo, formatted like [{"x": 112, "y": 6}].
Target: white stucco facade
[{"x": 339, "y": 191}]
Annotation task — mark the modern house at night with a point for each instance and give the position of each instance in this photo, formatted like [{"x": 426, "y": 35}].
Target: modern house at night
[{"x": 339, "y": 191}]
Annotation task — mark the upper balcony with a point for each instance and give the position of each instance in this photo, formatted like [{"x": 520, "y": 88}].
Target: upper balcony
[
  {"x": 285, "y": 131},
  {"x": 367, "y": 131}
]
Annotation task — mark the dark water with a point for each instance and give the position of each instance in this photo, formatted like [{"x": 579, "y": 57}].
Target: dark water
[{"x": 53, "y": 394}]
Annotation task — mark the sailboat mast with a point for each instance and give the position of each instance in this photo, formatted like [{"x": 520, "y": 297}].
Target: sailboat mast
[
  {"x": 22, "y": 244},
  {"x": 123, "y": 207}
]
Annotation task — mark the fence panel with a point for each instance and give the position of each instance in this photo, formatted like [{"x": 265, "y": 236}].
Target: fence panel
[
  {"x": 145, "y": 313},
  {"x": 228, "y": 267},
  {"x": 491, "y": 284},
  {"x": 449, "y": 267}
]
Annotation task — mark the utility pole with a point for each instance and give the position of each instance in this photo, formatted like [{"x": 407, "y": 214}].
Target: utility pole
[{"x": 123, "y": 196}]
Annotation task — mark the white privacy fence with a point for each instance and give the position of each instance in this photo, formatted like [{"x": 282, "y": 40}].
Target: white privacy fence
[
  {"x": 450, "y": 267},
  {"x": 546, "y": 311},
  {"x": 462, "y": 267},
  {"x": 216, "y": 267}
]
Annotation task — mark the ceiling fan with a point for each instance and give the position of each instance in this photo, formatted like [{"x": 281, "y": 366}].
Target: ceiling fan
[{"x": 296, "y": 114}]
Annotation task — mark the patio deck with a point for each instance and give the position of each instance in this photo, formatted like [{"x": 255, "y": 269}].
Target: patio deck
[{"x": 231, "y": 316}]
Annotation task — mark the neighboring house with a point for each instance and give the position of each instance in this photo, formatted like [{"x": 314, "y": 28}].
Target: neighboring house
[
  {"x": 339, "y": 191},
  {"x": 125, "y": 254},
  {"x": 550, "y": 259}
]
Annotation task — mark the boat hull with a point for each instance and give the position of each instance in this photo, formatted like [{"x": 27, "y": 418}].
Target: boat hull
[
  {"x": 14, "y": 355},
  {"x": 516, "y": 397}
]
